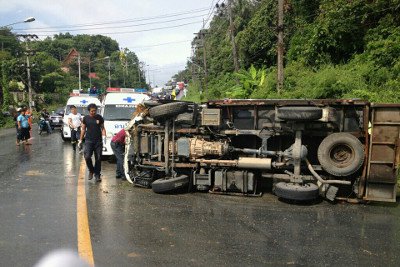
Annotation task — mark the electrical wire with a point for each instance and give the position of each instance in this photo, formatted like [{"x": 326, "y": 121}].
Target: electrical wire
[
  {"x": 113, "y": 27},
  {"x": 121, "y": 21},
  {"x": 160, "y": 44},
  {"x": 211, "y": 12},
  {"x": 145, "y": 30}
]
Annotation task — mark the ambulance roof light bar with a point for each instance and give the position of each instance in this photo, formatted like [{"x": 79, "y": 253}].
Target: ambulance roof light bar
[
  {"x": 76, "y": 92},
  {"x": 125, "y": 90}
]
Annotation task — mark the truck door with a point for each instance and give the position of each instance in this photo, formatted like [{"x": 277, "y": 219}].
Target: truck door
[{"x": 383, "y": 158}]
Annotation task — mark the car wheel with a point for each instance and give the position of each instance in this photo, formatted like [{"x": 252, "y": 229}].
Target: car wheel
[
  {"x": 62, "y": 136},
  {"x": 298, "y": 192},
  {"x": 299, "y": 113},
  {"x": 168, "y": 110},
  {"x": 165, "y": 185},
  {"x": 341, "y": 154}
]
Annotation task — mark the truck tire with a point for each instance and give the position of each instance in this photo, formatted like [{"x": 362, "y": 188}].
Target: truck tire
[
  {"x": 168, "y": 110},
  {"x": 184, "y": 118},
  {"x": 298, "y": 192},
  {"x": 299, "y": 113},
  {"x": 341, "y": 154},
  {"x": 168, "y": 185},
  {"x": 150, "y": 104}
]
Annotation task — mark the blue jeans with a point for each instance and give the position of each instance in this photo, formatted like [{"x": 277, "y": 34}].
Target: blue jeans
[
  {"x": 119, "y": 150},
  {"x": 95, "y": 148}
]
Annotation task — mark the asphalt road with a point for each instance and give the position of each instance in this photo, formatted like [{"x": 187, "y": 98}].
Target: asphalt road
[{"x": 134, "y": 227}]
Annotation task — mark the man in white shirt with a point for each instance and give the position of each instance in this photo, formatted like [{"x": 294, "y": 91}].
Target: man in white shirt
[{"x": 74, "y": 122}]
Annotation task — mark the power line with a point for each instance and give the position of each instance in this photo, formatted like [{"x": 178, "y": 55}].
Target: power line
[
  {"x": 125, "y": 26},
  {"x": 122, "y": 21},
  {"x": 146, "y": 30},
  {"x": 160, "y": 44},
  {"x": 211, "y": 12}
]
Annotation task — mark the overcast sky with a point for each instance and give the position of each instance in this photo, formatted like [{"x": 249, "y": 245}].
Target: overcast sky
[{"x": 137, "y": 20}]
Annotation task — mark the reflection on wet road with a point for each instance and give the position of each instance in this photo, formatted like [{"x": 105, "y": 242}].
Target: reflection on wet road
[{"x": 133, "y": 226}]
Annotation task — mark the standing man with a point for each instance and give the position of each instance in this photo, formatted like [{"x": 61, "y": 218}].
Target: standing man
[
  {"x": 74, "y": 123},
  {"x": 118, "y": 147},
  {"x": 93, "y": 127},
  {"x": 23, "y": 127},
  {"x": 16, "y": 115}
]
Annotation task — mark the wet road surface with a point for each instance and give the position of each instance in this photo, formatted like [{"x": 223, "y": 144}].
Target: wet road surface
[{"x": 134, "y": 227}]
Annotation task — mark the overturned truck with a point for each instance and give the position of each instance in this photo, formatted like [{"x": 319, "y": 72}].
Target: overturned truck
[{"x": 297, "y": 149}]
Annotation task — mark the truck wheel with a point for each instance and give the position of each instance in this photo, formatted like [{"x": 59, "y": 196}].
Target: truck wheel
[
  {"x": 341, "y": 154},
  {"x": 184, "y": 118},
  {"x": 299, "y": 113},
  {"x": 299, "y": 192},
  {"x": 167, "y": 185},
  {"x": 150, "y": 104},
  {"x": 168, "y": 110}
]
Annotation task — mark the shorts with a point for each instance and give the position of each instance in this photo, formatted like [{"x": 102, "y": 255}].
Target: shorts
[{"x": 25, "y": 134}]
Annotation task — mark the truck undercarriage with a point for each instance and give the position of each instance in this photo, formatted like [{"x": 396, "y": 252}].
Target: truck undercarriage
[{"x": 298, "y": 149}]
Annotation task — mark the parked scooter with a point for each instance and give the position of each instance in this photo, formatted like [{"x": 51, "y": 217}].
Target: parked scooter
[{"x": 43, "y": 126}]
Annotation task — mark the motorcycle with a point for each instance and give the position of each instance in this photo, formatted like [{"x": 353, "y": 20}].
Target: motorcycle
[{"x": 43, "y": 126}]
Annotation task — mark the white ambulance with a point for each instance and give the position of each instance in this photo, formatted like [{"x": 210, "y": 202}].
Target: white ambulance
[
  {"x": 117, "y": 108},
  {"x": 80, "y": 101}
]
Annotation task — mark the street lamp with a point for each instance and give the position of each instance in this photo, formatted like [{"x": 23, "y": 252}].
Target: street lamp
[{"x": 29, "y": 19}]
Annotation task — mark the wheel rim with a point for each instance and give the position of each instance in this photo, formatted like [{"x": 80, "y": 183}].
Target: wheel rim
[{"x": 341, "y": 155}]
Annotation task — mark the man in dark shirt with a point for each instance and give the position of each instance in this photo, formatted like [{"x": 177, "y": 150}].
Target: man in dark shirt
[
  {"x": 93, "y": 126},
  {"x": 118, "y": 147}
]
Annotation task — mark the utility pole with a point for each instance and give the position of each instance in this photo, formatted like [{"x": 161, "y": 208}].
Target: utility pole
[
  {"x": 90, "y": 76},
  {"x": 280, "y": 47},
  {"x": 138, "y": 71},
  {"x": 28, "y": 66},
  {"x": 28, "y": 72},
  {"x": 232, "y": 32},
  {"x": 203, "y": 35},
  {"x": 109, "y": 72},
  {"x": 79, "y": 71}
]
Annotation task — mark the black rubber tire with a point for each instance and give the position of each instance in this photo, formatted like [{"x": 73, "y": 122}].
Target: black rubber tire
[
  {"x": 341, "y": 154},
  {"x": 299, "y": 113},
  {"x": 168, "y": 185},
  {"x": 62, "y": 137},
  {"x": 168, "y": 110},
  {"x": 184, "y": 118},
  {"x": 292, "y": 191},
  {"x": 150, "y": 104}
]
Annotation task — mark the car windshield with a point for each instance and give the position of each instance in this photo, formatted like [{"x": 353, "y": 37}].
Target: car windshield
[
  {"x": 82, "y": 110},
  {"x": 118, "y": 112}
]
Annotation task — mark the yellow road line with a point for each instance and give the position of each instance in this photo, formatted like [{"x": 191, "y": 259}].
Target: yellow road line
[{"x": 84, "y": 242}]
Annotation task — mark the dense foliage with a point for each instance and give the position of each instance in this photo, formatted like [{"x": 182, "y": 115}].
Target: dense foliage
[
  {"x": 49, "y": 60},
  {"x": 333, "y": 49}
]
